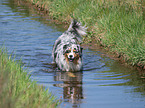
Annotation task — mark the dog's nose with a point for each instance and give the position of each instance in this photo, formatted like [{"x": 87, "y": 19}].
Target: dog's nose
[{"x": 70, "y": 56}]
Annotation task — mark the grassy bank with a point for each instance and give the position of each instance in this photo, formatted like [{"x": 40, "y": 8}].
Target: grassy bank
[
  {"x": 115, "y": 24},
  {"x": 16, "y": 88}
]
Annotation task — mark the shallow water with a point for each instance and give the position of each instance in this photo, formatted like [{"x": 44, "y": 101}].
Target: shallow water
[{"x": 103, "y": 83}]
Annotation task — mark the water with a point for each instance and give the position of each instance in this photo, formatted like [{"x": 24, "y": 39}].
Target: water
[{"x": 103, "y": 83}]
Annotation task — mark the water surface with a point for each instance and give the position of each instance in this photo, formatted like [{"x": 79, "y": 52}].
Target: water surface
[{"x": 103, "y": 83}]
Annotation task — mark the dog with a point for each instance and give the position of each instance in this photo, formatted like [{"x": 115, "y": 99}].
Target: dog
[{"x": 67, "y": 52}]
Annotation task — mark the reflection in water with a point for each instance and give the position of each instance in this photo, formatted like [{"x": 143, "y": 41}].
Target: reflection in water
[
  {"x": 72, "y": 86},
  {"x": 27, "y": 10}
]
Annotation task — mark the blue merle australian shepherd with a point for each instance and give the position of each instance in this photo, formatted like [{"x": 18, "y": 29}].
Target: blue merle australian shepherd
[{"x": 67, "y": 52}]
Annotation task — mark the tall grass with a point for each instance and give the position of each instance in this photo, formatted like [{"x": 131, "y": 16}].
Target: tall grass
[
  {"x": 16, "y": 88},
  {"x": 116, "y": 24},
  {"x": 124, "y": 33}
]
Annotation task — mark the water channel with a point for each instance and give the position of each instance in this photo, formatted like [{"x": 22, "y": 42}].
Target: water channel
[{"x": 103, "y": 83}]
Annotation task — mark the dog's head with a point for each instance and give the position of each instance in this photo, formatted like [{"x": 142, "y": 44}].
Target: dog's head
[{"x": 72, "y": 52}]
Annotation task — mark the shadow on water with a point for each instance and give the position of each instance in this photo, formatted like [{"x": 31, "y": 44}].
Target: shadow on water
[{"x": 103, "y": 83}]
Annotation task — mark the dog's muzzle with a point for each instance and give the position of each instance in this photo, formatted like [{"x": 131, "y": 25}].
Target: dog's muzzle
[{"x": 71, "y": 58}]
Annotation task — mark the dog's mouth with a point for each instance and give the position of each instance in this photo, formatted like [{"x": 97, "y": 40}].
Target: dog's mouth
[{"x": 71, "y": 59}]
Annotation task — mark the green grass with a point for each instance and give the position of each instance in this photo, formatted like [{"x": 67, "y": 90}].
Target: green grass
[
  {"x": 115, "y": 24},
  {"x": 124, "y": 33},
  {"x": 16, "y": 88}
]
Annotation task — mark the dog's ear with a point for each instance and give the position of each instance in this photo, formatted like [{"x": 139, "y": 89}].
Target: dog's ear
[
  {"x": 81, "y": 51},
  {"x": 80, "y": 48},
  {"x": 64, "y": 48}
]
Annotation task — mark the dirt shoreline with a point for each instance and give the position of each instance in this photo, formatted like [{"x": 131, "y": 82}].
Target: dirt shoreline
[{"x": 92, "y": 45}]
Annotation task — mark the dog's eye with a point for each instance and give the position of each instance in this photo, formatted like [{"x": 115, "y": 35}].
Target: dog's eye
[
  {"x": 75, "y": 50},
  {"x": 68, "y": 51}
]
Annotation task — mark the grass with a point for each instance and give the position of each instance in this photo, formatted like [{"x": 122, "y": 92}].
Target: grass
[
  {"x": 16, "y": 88},
  {"x": 124, "y": 31},
  {"x": 115, "y": 24}
]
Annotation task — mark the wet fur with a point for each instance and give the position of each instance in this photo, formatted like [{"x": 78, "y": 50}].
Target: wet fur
[{"x": 68, "y": 44}]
